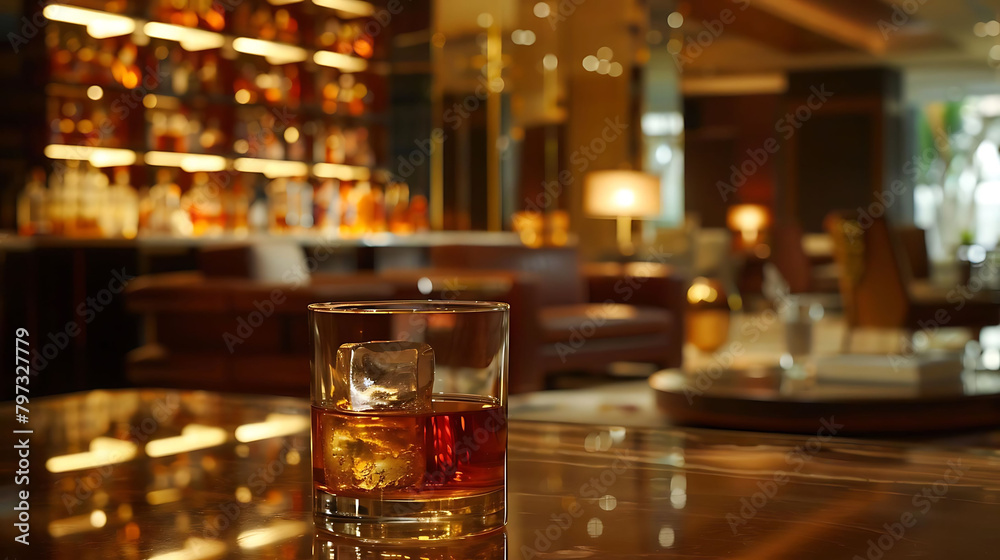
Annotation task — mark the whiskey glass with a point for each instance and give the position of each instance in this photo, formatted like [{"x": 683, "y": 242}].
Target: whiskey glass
[{"x": 409, "y": 418}]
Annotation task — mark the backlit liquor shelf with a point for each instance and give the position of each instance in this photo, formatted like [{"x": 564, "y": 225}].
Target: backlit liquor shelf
[
  {"x": 102, "y": 25},
  {"x": 193, "y": 163},
  {"x": 188, "y": 118}
]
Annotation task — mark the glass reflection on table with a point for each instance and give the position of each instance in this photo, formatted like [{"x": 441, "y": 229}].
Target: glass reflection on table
[{"x": 489, "y": 546}]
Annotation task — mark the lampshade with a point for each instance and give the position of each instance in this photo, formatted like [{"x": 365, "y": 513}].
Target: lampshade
[
  {"x": 615, "y": 194},
  {"x": 748, "y": 217}
]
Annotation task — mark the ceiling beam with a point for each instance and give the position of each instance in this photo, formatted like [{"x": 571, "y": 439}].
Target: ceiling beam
[{"x": 822, "y": 20}]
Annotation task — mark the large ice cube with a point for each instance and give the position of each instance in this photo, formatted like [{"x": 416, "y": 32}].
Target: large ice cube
[
  {"x": 384, "y": 376},
  {"x": 374, "y": 453}
]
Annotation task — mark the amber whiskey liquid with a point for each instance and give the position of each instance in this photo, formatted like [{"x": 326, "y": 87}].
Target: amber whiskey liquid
[{"x": 446, "y": 466}]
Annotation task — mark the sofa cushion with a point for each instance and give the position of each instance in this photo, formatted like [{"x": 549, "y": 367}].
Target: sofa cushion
[
  {"x": 601, "y": 320},
  {"x": 555, "y": 270}
]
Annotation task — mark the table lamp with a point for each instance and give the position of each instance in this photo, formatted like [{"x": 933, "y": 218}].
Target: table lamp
[
  {"x": 622, "y": 195},
  {"x": 750, "y": 220}
]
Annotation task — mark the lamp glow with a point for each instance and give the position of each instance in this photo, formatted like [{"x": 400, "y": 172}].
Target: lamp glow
[{"x": 623, "y": 195}]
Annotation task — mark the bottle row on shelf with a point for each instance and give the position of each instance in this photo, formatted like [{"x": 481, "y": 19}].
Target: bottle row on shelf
[
  {"x": 245, "y": 131},
  {"x": 342, "y": 26},
  {"x": 80, "y": 201},
  {"x": 162, "y": 68},
  {"x": 339, "y": 29}
]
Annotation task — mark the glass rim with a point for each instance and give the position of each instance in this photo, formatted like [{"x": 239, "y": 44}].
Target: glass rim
[{"x": 408, "y": 306}]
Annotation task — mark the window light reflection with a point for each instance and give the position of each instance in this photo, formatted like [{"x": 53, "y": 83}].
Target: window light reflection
[
  {"x": 103, "y": 451},
  {"x": 273, "y": 533},
  {"x": 275, "y": 425},
  {"x": 195, "y": 549},
  {"x": 77, "y": 524},
  {"x": 192, "y": 438}
]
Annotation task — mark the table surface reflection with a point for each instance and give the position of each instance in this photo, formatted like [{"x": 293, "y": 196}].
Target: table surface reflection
[{"x": 201, "y": 475}]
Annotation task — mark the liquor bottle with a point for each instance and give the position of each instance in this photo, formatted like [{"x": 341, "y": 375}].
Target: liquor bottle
[
  {"x": 328, "y": 91},
  {"x": 164, "y": 201},
  {"x": 180, "y": 78},
  {"x": 336, "y": 150},
  {"x": 418, "y": 213},
  {"x": 287, "y": 27},
  {"x": 366, "y": 208},
  {"x": 208, "y": 74},
  {"x": 293, "y": 84},
  {"x": 158, "y": 131},
  {"x": 299, "y": 212},
  {"x": 203, "y": 205},
  {"x": 145, "y": 209},
  {"x": 397, "y": 200},
  {"x": 327, "y": 199},
  {"x": 262, "y": 24},
  {"x": 277, "y": 205},
  {"x": 296, "y": 150},
  {"x": 378, "y": 210},
  {"x": 55, "y": 209},
  {"x": 92, "y": 197},
  {"x": 32, "y": 216},
  {"x": 178, "y": 131},
  {"x": 212, "y": 139},
  {"x": 235, "y": 206},
  {"x": 69, "y": 197},
  {"x": 348, "y": 208},
  {"x": 121, "y": 214}
]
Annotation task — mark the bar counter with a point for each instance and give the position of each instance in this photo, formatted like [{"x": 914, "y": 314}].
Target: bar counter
[{"x": 165, "y": 474}]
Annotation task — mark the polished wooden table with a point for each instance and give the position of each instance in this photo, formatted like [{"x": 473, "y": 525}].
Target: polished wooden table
[{"x": 174, "y": 475}]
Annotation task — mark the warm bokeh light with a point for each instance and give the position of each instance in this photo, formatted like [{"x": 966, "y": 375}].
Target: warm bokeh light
[
  {"x": 189, "y": 38},
  {"x": 100, "y": 25},
  {"x": 275, "y": 425},
  {"x": 340, "y": 61},
  {"x": 193, "y": 437},
  {"x": 274, "y": 533},
  {"x": 103, "y": 451}
]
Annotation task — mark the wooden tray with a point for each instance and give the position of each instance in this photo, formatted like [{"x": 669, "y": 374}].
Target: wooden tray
[{"x": 772, "y": 399}]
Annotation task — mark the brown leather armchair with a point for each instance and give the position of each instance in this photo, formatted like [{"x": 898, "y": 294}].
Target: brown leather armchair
[{"x": 583, "y": 318}]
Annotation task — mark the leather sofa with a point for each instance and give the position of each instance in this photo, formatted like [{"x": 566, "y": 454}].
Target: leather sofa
[{"x": 237, "y": 325}]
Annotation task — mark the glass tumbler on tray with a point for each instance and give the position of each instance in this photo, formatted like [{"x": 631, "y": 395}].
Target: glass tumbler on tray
[{"x": 409, "y": 418}]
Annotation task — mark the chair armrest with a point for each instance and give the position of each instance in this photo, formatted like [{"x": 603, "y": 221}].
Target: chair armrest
[{"x": 642, "y": 284}]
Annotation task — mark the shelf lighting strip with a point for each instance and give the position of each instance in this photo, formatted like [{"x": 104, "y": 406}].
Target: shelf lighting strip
[
  {"x": 349, "y": 7},
  {"x": 98, "y": 157},
  {"x": 191, "y": 39},
  {"x": 341, "y": 172},
  {"x": 193, "y": 163},
  {"x": 102, "y": 25},
  {"x": 271, "y": 168},
  {"x": 275, "y": 53}
]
